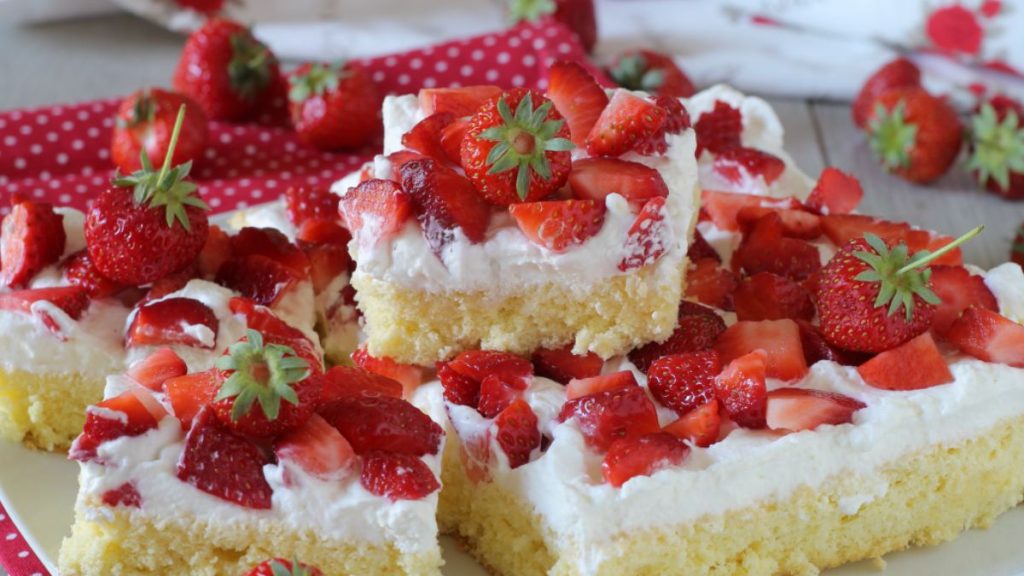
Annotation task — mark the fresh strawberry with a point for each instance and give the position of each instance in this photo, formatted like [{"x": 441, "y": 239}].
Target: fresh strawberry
[
  {"x": 700, "y": 249},
  {"x": 258, "y": 277},
  {"x": 497, "y": 394},
  {"x": 206, "y": 7},
  {"x": 458, "y": 389},
  {"x": 677, "y": 118},
  {"x": 517, "y": 432},
  {"x": 458, "y": 102},
  {"x": 190, "y": 393},
  {"x": 397, "y": 476},
  {"x": 226, "y": 70},
  {"x": 836, "y": 192},
  {"x": 72, "y": 300},
  {"x": 381, "y": 205},
  {"x": 711, "y": 284},
  {"x": 765, "y": 249},
  {"x": 1017, "y": 248},
  {"x": 816, "y": 348},
  {"x": 397, "y": 159},
  {"x": 348, "y": 382},
  {"x": 562, "y": 365},
  {"x": 334, "y": 106},
  {"x": 157, "y": 368},
  {"x": 444, "y": 200},
  {"x": 145, "y": 120},
  {"x": 596, "y": 178},
  {"x": 612, "y": 415},
  {"x": 701, "y": 426},
  {"x": 383, "y": 424},
  {"x": 174, "y": 321},
  {"x": 579, "y": 16},
  {"x": 517, "y": 148},
  {"x": 316, "y": 447},
  {"x": 796, "y": 409},
  {"x": 996, "y": 142},
  {"x": 651, "y": 72},
  {"x": 425, "y": 136},
  {"x": 451, "y": 139},
  {"x": 795, "y": 223},
  {"x": 683, "y": 382},
  {"x": 280, "y": 566},
  {"x": 899, "y": 73},
  {"x": 272, "y": 244},
  {"x": 580, "y": 387},
  {"x": 559, "y": 224},
  {"x": 327, "y": 262},
  {"x": 409, "y": 376},
  {"x": 913, "y": 134},
  {"x": 913, "y": 365},
  {"x": 124, "y": 495},
  {"x": 463, "y": 376},
  {"x": 741, "y": 389},
  {"x": 31, "y": 238},
  {"x": 79, "y": 271},
  {"x": 719, "y": 129},
  {"x": 767, "y": 296},
  {"x": 578, "y": 97},
  {"x": 642, "y": 456},
  {"x": 740, "y": 165},
  {"x": 215, "y": 252},
  {"x": 957, "y": 290},
  {"x": 778, "y": 339},
  {"x": 988, "y": 336},
  {"x": 647, "y": 238},
  {"x": 276, "y": 331},
  {"x": 842, "y": 228},
  {"x": 308, "y": 203},
  {"x": 698, "y": 329},
  {"x": 133, "y": 413},
  {"x": 723, "y": 208},
  {"x": 628, "y": 123},
  {"x": 321, "y": 232},
  {"x": 224, "y": 464}
]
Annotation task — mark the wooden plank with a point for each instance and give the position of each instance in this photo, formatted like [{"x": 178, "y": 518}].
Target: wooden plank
[
  {"x": 952, "y": 205},
  {"x": 801, "y": 138}
]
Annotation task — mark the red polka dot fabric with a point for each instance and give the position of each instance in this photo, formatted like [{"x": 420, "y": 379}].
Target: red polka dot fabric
[{"x": 61, "y": 154}]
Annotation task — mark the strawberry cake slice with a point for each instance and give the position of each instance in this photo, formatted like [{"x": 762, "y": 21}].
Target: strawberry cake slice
[
  {"x": 264, "y": 455},
  {"x": 515, "y": 219}
]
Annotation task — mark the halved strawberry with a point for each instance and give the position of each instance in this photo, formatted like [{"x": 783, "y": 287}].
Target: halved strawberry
[
  {"x": 612, "y": 415},
  {"x": 741, "y": 389},
  {"x": 517, "y": 432},
  {"x": 779, "y": 340},
  {"x": 628, "y": 122},
  {"x": 767, "y": 296},
  {"x": 155, "y": 369},
  {"x": 316, "y": 447},
  {"x": 682, "y": 382},
  {"x": 31, "y": 238},
  {"x": 698, "y": 329},
  {"x": 648, "y": 236},
  {"x": 795, "y": 223},
  {"x": 596, "y": 178},
  {"x": 913, "y": 365},
  {"x": 711, "y": 284},
  {"x": 379, "y": 205},
  {"x": 409, "y": 376},
  {"x": 578, "y": 97},
  {"x": 80, "y": 271},
  {"x": 322, "y": 231},
  {"x": 497, "y": 394},
  {"x": 740, "y": 164},
  {"x": 425, "y": 136},
  {"x": 397, "y": 476},
  {"x": 190, "y": 393},
  {"x": 459, "y": 102},
  {"x": 73, "y": 300},
  {"x": 348, "y": 382},
  {"x": 642, "y": 456},
  {"x": 216, "y": 251},
  {"x": 308, "y": 203},
  {"x": 700, "y": 425},
  {"x": 444, "y": 200},
  {"x": 327, "y": 262},
  {"x": 988, "y": 336},
  {"x": 174, "y": 321},
  {"x": 396, "y": 159},
  {"x": 724, "y": 207},
  {"x": 719, "y": 129},
  {"x": 561, "y": 365},
  {"x": 272, "y": 244},
  {"x": 478, "y": 364},
  {"x": 383, "y": 424},
  {"x": 958, "y": 289},
  {"x": 559, "y": 224},
  {"x": 133, "y": 413},
  {"x": 580, "y": 387},
  {"x": 835, "y": 193},
  {"x": 700, "y": 249},
  {"x": 458, "y": 389},
  {"x": 258, "y": 278},
  {"x": 765, "y": 249},
  {"x": 452, "y": 137},
  {"x": 796, "y": 409}
]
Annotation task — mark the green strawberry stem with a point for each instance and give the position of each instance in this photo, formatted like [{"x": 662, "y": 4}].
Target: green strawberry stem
[
  {"x": 172, "y": 145},
  {"x": 529, "y": 10},
  {"x": 278, "y": 568},
  {"x": 260, "y": 373},
  {"x": 924, "y": 257}
]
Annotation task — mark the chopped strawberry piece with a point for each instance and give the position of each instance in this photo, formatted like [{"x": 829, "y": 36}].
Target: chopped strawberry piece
[
  {"x": 698, "y": 329},
  {"x": 190, "y": 393},
  {"x": 578, "y": 97},
  {"x": 168, "y": 285},
  {"x": 642, "y": 456},
  {"x": 677, "y": 118},
  {"x": 724, "y": 207},
  {"x": 719, "y": 129},
  {"x": 795, "y": 223},
  {"x": 478, "y": 364},
  {"x": 133, "y": 413},
  {"x": 31, "y": 238},
  {"x": 80, "y": 271},
  {"x": 425, "y": 136},
  {"x": 596, "y": 178},
  {"x": 796, "y": 409},
  {"x": 444, "y": 200},
  {"x": 458, "y": 389},
  {"x": 276, "y": 331},
  {"x": 741, "y": 164},
  {"x": 316, "y": 447},
  {"x": 155, "y": 369},
  {"x": 409, "y": 376},
  {"x": 700, "y": 425},
  {"x": 767, "y": 296},
  {"x": 765, "y": 249},
  {"x": 561, "y": 365},
  {"x": 497, "y": 394},
  {"x": 778, "y": 339},
  {"x": 397, "y": 476},
  {"x": 682, "y": 382},
  {"x": 452, "y": 137},
  {"x": 271, "y": 244},
  {"x": 320, "y": 232},
  {"x": 216, "y": 251},
  {"x": 326, "y": 263},
  {"x": 627, "y": 123},
  {"x": 381, "y": 205},
  {"x": 559, "y": 224},
  {"x": 700, "y": 249},
  {"x": 580, "y": 387},
  {"x": 741, "y": 389},
  {"x": 612, "y": 415},
  {"x": 913, "y": 365},
  {"x": 988, "y": 336},
  {"x": 224, "y": 464},
  {"x": 835, "y": 193},
  {"x": 302, "y": 204},
  {"x": 958, "y": 289},
  {"x": 517, "y": 432},
  {"x": 709, "y": 283},
  {"x": 275, "y": 566},
  {"x": 258, "y": 278},
  {"x": 397, "y": 159},
  {"x": 124, "y": 495},
  {"x": 73, "y": 300},
  {"x": 174, "y": 321},
  {"x": 383, "y": 424},
  {"x": 458, "y": 102},
  {"x": 348, "y": 382},
  {"x": 648, "y": 237}
]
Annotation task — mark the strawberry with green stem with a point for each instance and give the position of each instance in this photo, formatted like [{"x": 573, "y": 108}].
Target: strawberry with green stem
[
  {"x": 651, "y": 72},
  {"x": 334, "y": 106},
  {"x": 578, "y": 15},
  {"x": 282, "y": 567},
  {"x": 914, "y": 135},
  {"x": 997, "y": 147}
]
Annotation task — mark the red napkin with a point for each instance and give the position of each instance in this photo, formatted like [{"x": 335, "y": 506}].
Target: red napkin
[{"x": 15, "y": 555}]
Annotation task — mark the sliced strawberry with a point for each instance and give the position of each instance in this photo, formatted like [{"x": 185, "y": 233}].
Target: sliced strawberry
[
  {"x": 711, "y": 284},
  {"x": 397, "y": 476},
  {"x": 596, "y": 178},
  {"x": 767, "y": 296},
  {"x": 559, "y": 224},
  {"x": 326, "y": 263},
  {"x": 719, "y": 129},
  {"x": 517, "y": 432},
  {"x": 272, "y": 244},
  {"x": 765, "y": 249},
  {"x": 73, "y": 300},
  {"x": 380, "y": 205},
  {"x": 316, "y": 447},
  {"x": 698, "y": 329},
  {"x": 497, "y": 394},
  {"x": 224, "y": 464},
  {"x": 580, "y": 387},
  {"x": 478, "y": 364},
  {"x": 216, "y": 251},
  {"x": 124, "y": 495},
  {"x": 700, "y": 425},
  {"x": 348, "y": 382},
  {"x": 383, "y": 424},
  {"x": 174, "y": 321},
  {"x": 913, "y": 365},
  {"x": 642, "y": 456},
  {"x": 795, "y": 223},
  {"x": 425, "y": 136},
  {"x": 443, "y": 201},
  {"x": 682, "y": 382},
  {"x": 578, "y": 97},
  {"x": 458, "y": 389},
  {"x": 677, "y": 118},
  {"x": 458, "y": 102},
  {"x": 796, "y": 409},
  {"x": 724, "y": 207},
  {"x": 133, "y": 413},
  {"x": 648, "y": 237},
  {"x": 302, "y": 203},
  {"x": 452, "y": 137},
  {"x": 409, "y": 376},
  {"x": 741, "y": 389},
  {"x": 397, "y": 159},
  {"x": 958, "y": 289},
  {"x": 988, "y": 336},
  {"x": 741, "y": 164},
  {"x": 258, "y": 278},
  {"x": 778, "y": 339},
  {"x": 80, "y": 271},
  {"x": 155, "y": 369},
  {"x": 322, "y": 231},
  {"x": 190, "y": 393},
  {"x": 31, "y": 238},
  {"x": 612, "y": 415},
  {"x": 628, "y": 122},
  {"x": 835, "y": 193},
  {"x": 561, "y": 365},
  {"x": 262, "y": 320},
  {"x": 700, "y": 249}
]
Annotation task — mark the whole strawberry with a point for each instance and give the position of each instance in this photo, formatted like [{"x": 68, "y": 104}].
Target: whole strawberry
[
  {"x": 202, "y": 6},
  {"x": 900, "y": 73},
  {"x": 520, "y": 156},
  {"x": 334, "y": 106},
  {"x": 914, "y": 135},
  {"x": 227, "y": 70},
  {"x": 145, "y": 120},
  {"x": 148, "y": 224},
  {"x": 577, "y": 15},
  {"x": 282, "y": 567},
  {"x": 997, "y": 147},
  {"x": 32, "y": 237},
  {"x": 651, "y": 72}
]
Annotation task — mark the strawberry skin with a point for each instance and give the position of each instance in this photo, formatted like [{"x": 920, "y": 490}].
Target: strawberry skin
[
  {"x": 173, "y": 321},
  {"x": 559, "y": 224},
  {"x": 334, "y": 107},
  {"x": 459, "y": 102},
  {"x": 741, "y": 389},
  {"x": 836, "y": 192},
  {"x": 425, "y": 136},
  {"x": 796, "y": 409},
  {"x": 766, "y": 249},
  {"x": 913, "y": 365},
  {"x": 580, "y": 387},
  {"x": 719, "y": 129},
  {"x": 316, "y": 447},
  {"x": 627, "y": 123},
  {"x": 711, "y": 284},
  {"x": 958, "y": 290},
  {"x": 642, "y": 456},
  {"x": 578, "y": 97},
  {"x": 740, "y": 164},
  {"x": 409, "y": 376},
  {"x": 444, "y": 200},
  {"x": 145, "y": 120},
  {"x": 190, "y": 393},
  {"x": 517, "y": 432},
  {"x": 899, "y": 73},
  {"x": 915, "y": 135},
  {"x": 612, "y": 415},
  {"x": 596, "y": 178},
  {"x": 281, "y": 566},
  {"x": 380, "y": 206},
  {"x": 348, "y": 382},
  {"x": 310, "y": 203},
  {"x": 988, "y": 336},
  {"x": 561, "y": 365},
  {"x": 701, "y": 426},
  {"x": 767, "y": 296},
  {"x": 80, "y": 271},
  {"x": 698, "y": 329},
  {"x": 133, "y": 413},
  {"x": 157, "y": 368},
  {"x": 31, "y": 238},
  {"x": 71, "y": 299},
  {"x": 651, "y": 72},
  {"x": 397, "y": 476},
  {"x": 683, "y": 382},
  {"x": 778, "y": 340},
  {"x": 257, "y": 277},
  {"x": 383, "y": 424},
  {"x": 647, "y": 238}
]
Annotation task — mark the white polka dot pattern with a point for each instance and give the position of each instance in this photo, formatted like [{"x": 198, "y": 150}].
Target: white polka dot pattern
[{"x": 15, "y": 555}]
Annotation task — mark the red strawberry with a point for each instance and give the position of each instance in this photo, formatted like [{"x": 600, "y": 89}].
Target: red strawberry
[
  {"x": 596, "y": 178},
  {"x": 988, "y": 336},
  {"x": 767, "y": 296},
  {"x": 517, "y": 148},
  {"x": 322, "y": 232},
  {"x": 711, "y": 284},
  {"x": 578, "y": 97},
  {"x": 334, "y": 107},
  {"x": 562, "y": 365},
  {"x": 723, "y": 208},
  {"x": 257, "y": 277},
  {"x": 700, "y": 425},
  {"x": 647, "y": 238},
  {"x": 316, "y": 447},
  {"x": 157, "y": 368},
  {"x": 280, "y": 566},
  {"x": 683, "y": 382},
  {"x": 226, "y": 70},
  {"x": 719, "y": 129},
  {"x": 397, "y": 476},
  {"x": 517, "y": 432},
  {"x": 741, "y": 389},
  {"x": 458, "y": 389},
  {"x": 795, "y": 223},
  {"x": 913, "y": 134},
  {"x": 215, "y": 252},
  {"x": 71, "y": 299},
  {"x": 899, "y": 73},
  {"x": 80, "y": 271},
  {"x": 409, "y": 376},
  {"x": 145, "y": 120},
  {"x": 272, "y": 244},
  {"x": 224, "y": 464},
  {"x": 451, "y": 140},
  {"x": 740, "y": 164},
  {"x": 381, "y": 205},
  {"x": 677, "y": 119},
  {"x": 577, "y": 15},
  {"x": 497, "y": 394},
  {"x": 174, "y": 321},
  {"x": 996, "y": 142},
  {"x": 133, "y": 413},
  {"x": 698, "y": 329},
  {"x": 796, "y": 409},
  {"x": 124, "y": 495},
  {"x": 444, "y": 200},
  {"x": 31, "y": 238},
  {"x": 836, "y": 192},
  {"x": 957, "y": 290},
  {"x": 383, "y": 424},
  {"x": 913, "y": 365},
  {"x": 276, "y": 331},
  {"x": 580, "y": 387},
  {"x": 700, "y": 249},
  {"x": 347, "y": 382},
  {"x": 779, "y": 340},
  {"x": 816, "y": 348},
  {"x": 651, "y": 72},
  {"x": 1017, "y": 248},
  {"x": 559, "y": 224},
  {"x": 765, "y": 249},
  {"x": 425, "y": 136},
  {"x": 841, "y": 228},
  {"x": 327, "y": 262},
  {"x": 458, "y": 102},
  {"x": 309, "y": 203},
  {"x": 628, "y": 123},
  {"x": 190, "y": 393},
  {"x": 612, "y": 415},
  {"x": 462, "y": 377},
  {"x": 206, "y": 7},
  {"x": 642, "y": 456}
]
